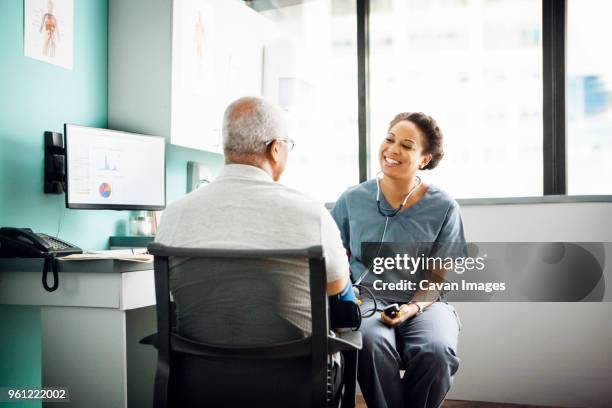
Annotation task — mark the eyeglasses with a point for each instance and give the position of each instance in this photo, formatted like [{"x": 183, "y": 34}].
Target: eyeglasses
[{"x": 287, "y": 140}]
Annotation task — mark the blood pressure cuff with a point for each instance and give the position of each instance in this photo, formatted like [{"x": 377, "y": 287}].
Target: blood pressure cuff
[{"x": 343, "y": 309}]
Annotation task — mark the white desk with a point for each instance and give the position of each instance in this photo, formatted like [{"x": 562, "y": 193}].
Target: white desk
[{"x": 90, "y": 328}]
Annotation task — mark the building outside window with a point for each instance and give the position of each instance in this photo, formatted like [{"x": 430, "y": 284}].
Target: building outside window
[
  {"x": 476, "y": 67},
  {"x": 589, "y": 97}
]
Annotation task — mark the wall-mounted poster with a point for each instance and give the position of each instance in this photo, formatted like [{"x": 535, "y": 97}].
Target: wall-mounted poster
[
  {"x": 212, "y": 64},
  {"x": 48, "y": 31}
]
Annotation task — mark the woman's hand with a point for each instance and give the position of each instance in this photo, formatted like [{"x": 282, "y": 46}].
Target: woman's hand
[{"x": 406, "y": 312}]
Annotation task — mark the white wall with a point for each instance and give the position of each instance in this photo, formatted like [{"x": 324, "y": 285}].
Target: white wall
[
  {"x": 139, "y": 66},
  {"x": 537, "y": 353}
]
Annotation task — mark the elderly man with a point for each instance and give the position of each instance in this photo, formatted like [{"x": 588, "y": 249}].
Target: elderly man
[{"x": 245, "y": 207}]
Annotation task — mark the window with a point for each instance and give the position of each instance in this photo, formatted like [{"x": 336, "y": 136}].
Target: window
[
  {"x": 589, "y": 97},
  {"x": 476, "y": 67},
  {"x": 310, "y": 70}
]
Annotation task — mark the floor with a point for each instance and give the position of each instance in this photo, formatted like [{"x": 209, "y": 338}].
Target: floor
[{"x": 465, "y": 404}]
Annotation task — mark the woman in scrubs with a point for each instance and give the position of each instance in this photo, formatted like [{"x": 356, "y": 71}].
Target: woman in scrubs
[{"x": 397, "y": 206}]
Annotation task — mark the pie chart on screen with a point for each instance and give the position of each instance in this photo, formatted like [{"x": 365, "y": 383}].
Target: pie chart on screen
[{"x": 105, "y": 190}]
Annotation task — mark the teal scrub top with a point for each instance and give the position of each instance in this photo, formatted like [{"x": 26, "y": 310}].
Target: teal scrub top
[{"x": 434, "y": 219}]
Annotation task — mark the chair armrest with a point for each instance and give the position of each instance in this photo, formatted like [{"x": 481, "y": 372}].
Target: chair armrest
[
  {"x": 345, "y": 341},
  {"x": 150, "y": 340}
]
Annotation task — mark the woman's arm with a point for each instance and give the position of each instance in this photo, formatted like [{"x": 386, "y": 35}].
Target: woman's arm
[{"x": 420, "y": 301}]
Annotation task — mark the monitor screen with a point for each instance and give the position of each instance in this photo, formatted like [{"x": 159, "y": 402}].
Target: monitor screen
[{"x": 108, "y": 169}]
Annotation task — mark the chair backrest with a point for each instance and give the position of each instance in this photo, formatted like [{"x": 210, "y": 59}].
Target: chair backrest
[{"x": 238, "y": 340}]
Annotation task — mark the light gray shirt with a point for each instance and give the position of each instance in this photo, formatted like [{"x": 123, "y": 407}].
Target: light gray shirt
[{"x": 245, "y": 209}]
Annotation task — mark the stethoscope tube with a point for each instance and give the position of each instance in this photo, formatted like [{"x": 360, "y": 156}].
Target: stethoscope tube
[
  {"x": 387, "y": 216},
  {"x": 367, "y": 271}
]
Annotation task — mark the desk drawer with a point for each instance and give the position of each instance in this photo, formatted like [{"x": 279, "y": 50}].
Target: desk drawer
[{"x": 75, "y": 289}]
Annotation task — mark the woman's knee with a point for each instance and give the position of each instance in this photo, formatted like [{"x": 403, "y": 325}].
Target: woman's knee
[
  {"x": 437, "y": 356},
  {"x": 374, "y": 342},
  {"x": 375, "y": 334}
]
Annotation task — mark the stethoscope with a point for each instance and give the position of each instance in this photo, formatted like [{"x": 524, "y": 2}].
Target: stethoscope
[
  {"x": 397, "y": 210},
  {"x": 388, "y": 216}
]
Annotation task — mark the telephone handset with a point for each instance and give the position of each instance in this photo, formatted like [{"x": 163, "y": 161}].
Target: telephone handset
[{"x": 23, "y": 243}]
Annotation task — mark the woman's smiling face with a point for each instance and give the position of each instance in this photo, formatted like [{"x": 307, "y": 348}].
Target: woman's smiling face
[{"x": 403, "y": 151}]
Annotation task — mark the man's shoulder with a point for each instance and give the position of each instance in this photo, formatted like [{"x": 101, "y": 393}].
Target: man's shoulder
[
  {"x": 268, "y": 195},
  {"x": 291, "y": 198},
  {"x": 177, "y": 204},
  {"x": 294, "y": 194}
]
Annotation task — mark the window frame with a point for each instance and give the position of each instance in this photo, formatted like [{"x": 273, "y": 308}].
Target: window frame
[{"x": 554, "y": 21}]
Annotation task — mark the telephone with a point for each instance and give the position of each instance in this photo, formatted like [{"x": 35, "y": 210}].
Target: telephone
[{"x": 23, "y": 243}]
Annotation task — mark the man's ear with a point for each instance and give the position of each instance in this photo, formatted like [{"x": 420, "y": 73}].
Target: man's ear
[{"x": 274, "y": 151}]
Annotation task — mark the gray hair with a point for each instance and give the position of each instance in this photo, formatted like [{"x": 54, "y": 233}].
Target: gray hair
[{"x": 249, "y": 122}]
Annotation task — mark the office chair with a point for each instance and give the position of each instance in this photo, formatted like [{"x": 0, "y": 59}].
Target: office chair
[{"x": 234, "y": 366}]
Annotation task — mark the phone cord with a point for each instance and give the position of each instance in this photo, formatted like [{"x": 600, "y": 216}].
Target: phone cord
[{"x": 50, "y": 262}]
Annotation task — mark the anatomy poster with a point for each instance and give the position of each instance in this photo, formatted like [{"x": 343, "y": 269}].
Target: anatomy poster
[{"x": 48, "y": 31}]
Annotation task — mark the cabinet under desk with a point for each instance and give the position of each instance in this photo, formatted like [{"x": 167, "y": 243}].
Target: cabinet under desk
[{"x": 90, "y": 327}]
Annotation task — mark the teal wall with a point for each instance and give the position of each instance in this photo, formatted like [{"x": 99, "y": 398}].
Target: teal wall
[
  {"x": 37, "y": 96},
  {"x": 20, "y": 348},
  {"x": 34, "y": 97}
]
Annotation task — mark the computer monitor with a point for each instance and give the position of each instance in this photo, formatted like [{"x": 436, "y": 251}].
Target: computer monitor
[{"x": 108, "y": 169}]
